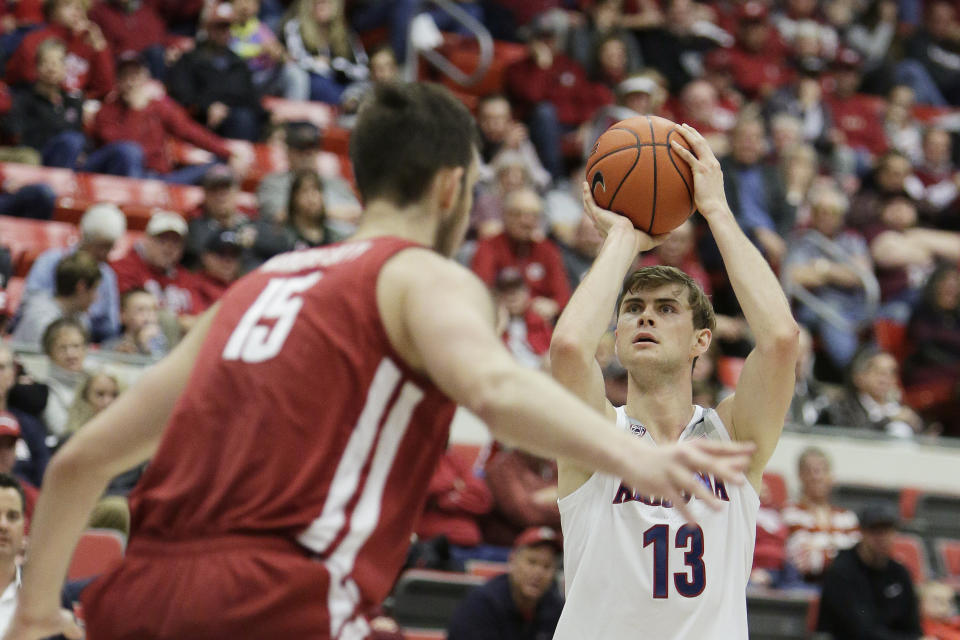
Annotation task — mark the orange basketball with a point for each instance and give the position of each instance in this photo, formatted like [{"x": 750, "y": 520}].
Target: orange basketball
[{"x": 633, "y": 171}]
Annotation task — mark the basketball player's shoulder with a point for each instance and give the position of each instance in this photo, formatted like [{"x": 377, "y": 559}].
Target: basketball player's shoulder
[{"x": 421, "y": 267}]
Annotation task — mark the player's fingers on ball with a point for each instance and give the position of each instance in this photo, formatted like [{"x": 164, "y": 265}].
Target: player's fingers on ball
[{"x": 684, "y": 154}]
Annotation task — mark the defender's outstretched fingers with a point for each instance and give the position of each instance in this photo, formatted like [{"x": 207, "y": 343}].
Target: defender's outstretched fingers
[
  {"x": 688, "y": 482},
  {"x": 727, "y": 461}
]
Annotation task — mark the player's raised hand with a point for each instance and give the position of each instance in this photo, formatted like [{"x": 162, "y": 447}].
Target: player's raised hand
[
  {"x": 669, "y": 471},
  {"x": 605, "y": 221},
  {"x": 708, "y": 194},
  {"x": 60, "y": 622}
]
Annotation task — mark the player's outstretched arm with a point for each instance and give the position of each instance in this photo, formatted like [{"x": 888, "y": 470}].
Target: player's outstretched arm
[
  {"x": 122, "y": 436},
  {"x": 756, "y": 411},
  {"x": 439, "y": 317},
  {"x": 585, "y": 319}
]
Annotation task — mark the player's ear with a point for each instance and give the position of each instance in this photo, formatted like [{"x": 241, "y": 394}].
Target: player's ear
[
  {"x": 449, "y": 182},
  {"x": 703, "y": 339}
]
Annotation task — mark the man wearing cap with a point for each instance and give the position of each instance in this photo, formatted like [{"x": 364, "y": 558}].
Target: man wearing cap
[
  {"x": 217, "y": 213},
  {"x": 101, "y": 226},
  {"x": 154, "y": 264},
  {"x": 866, "y": 593},
  {"x": 858, "y": 122},
  {"x": 215, "y": 84},
  {"x": 757, "y": 62},
  {"x": 524, "y": 603},
  {"x": 303, "y": 143},
  {"x": 139, "y": 114},
  {"x": 220, "y": 264}
]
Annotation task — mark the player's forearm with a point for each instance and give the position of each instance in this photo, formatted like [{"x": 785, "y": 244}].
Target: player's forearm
[
  {"x": 528, "y": 409},
  {"x": 757, "y": 289},
  {"x": 587, "y": 315},
  {"x": 63, "y": 510}
]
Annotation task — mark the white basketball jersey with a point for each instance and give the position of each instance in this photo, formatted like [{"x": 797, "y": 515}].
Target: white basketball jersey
[{"x": 635, "y": 569}]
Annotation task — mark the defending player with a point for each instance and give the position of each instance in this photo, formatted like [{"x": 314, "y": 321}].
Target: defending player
[
  {"x": 293, "y": 433},
  {"x": 634, "y": 567}
]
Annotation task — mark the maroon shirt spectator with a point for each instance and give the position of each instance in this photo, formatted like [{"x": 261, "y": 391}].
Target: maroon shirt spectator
[
  {"x": 128, "y": 30},
  {"x": 134, "y": 113},
  {"x": 757, "y": 63},
  {"x": 855, "y": 115},
  {"x": 25, "y": 12},
  {"x": 524, "y": 489},
  {"x": 455, "y": 498},
  {"x": 522, "y": 247},
  {"x": 89, "y": 58},
  {"x": 940, "y": 180}
]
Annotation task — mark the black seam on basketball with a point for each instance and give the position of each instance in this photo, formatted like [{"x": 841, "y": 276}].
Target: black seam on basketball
[
  {"x": 636, "y": 145},
  {"x": 624, "y": 179},
  {"x": 653, "y": 212},
  {"x": 679, "y": 173}
]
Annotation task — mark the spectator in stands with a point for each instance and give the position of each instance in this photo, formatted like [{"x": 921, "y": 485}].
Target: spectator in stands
[
  {"x": 89, "y": 60},
  {"x": 938, "y": 611},
  {"x": 679, "y": 250},
  {"x": 940, "y": 179},
  {"x": 935, "y": 47},
  {"x": 500, "y": 133},
  {"x": 98, "y": 392},
  {"x": 866, "y": 593},
  {"x": 182, "y": 16},
  {"x": 522, "y": 246},
  {"x": 22, "y": 425},
  {"x": 770, "y": 565},
  {"x": 892, "y": 175},
  {"x": 220, "y": 266},
  {"x": 602, "y": 35},
  {"x": 215, "y": 84},
  {"x": 757, "y": 63},
  {"x": 320, "y": 41},
  {"x": 511, "y": 172},
  {"x": 579, "y": 253},
  {"x": 701, "y": 108},
  {"x": 218, "y": 212},
  {"x": 905, "y": 255},
  {"x": 872, "y": 399},
  {"x": 50, "y": 119},
  {"x": 27, "y": 200},
  {"x": 13, "y": 506},
  {"x": 818, "y": 530},
  {"x": 904, "y": 132},
  {"x": 65, "y": 344},
  {"x": 756, "y": 191},
  {"x": 523, "y": 603},
  {"x": 154, "y": 264},
  {"x": 101, "y": 226},
  {"x": 675, "y": 42},
  {"x": 524, "y": 489},
  {"x": 77, "y": 279},
  {"x": 456, "y": 497},
  {"x": 303, "y": 142},
  {"x": 307, "y": 223},
  {"x": 551, "y": 93},
  {"x": 830, "y": 263},
  {"x": 858, "y": 123},
  {"x": 255, "y": 42},
  {"x": 145, "y": 122},
  {"x": 142, "y": 332},
  {"x": 134, "y": 26},
  {"x": 810, "y": 396},
  {"x": 525, "y": 332},
  {"x": 803, "y": 99}
]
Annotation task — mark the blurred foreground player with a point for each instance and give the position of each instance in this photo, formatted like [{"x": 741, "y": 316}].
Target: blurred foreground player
[{"x": 294, "y": 431}]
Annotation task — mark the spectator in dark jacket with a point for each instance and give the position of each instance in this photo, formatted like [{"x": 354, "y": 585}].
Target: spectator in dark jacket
[
  {"x": 89, "y": 58},
  {"x": 218, "y": 212},
  {"x": 866, "y": 593},
  {"x": 524, "y": 603},
  {"x": 49, "y": 119},
  {"x": 937, "y": 47},
  {"x": 216, "y": 85}
]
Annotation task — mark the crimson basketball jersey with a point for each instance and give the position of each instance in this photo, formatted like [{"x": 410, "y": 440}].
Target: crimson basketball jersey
[{"x": 300, "y": 421}]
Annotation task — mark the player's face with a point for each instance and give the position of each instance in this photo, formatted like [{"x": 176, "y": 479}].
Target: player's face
[
  {"x": 11, "y": 522},
  {"x": 532, "y": 570},
  {"x": 656, "y": 326}
]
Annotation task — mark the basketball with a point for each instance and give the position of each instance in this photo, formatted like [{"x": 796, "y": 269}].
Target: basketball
[{"x": 633, "y": 171}]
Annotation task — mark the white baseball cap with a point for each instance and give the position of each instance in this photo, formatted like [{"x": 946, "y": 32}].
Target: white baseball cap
[
  {"x": 103, "y": 220},
  {"x": 164, "y": 221}
]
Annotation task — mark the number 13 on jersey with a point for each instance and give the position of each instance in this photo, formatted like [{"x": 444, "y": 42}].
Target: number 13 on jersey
[
  {"x": 255, "y": 341},
  {"x": 689, "y": 538}
]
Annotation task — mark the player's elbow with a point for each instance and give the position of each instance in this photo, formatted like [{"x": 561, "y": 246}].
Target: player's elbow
[
  {"x": 567, "y": 348},
  {"x": 784, "y": 342},
  {"x": 71, "y": 464}
]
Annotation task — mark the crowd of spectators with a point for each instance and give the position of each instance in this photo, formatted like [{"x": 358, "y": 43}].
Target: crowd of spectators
[{"x": 836, "y": 122}]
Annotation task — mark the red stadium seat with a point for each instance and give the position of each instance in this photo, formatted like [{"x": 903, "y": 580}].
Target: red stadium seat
[
  {"x": 11, "y": 295},
  {"x": 486, "y": 569},
  {"x": 28, "y": 238},
  {"x": 424, "y": 634},
  {"x": 465, "y": 55},
  {"x": 892, "y": 337},
  {"x": 908, "y": 550},
  {"x": 97, "y": 552},
  {"x": 728, "y": 370},
  {"x": 908, "y": 502},
  {"x": 776, "y": 489},
  {"x": 948, "y": 555}
]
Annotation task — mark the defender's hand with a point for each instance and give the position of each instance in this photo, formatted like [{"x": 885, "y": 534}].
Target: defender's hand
[
  {"x": 669, "y": 471},
  {"x": 605, "y": 220},
  {"x": 708, "y": 194}
]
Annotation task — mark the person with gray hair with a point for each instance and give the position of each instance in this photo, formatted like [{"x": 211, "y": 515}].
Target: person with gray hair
[{"x": 101, "y": 226}]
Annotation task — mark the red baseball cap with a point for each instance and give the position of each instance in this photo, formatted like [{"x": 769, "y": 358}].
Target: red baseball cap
[
  {"x": 9, "y": 425},
  {"x": 539, "y": 535}
]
